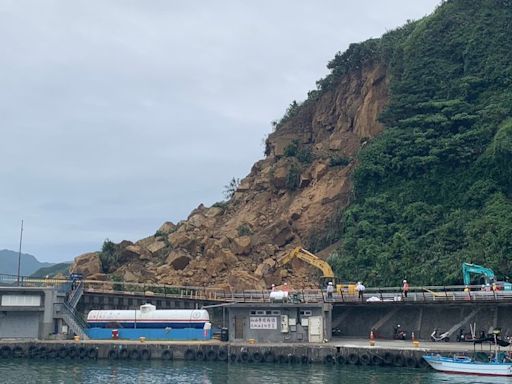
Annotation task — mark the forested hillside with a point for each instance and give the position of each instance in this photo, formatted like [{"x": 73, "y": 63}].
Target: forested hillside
[{"x": 434, "y": 189}]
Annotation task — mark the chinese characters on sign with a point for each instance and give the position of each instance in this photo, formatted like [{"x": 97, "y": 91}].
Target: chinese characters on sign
[{"x": 263, "y": 322}]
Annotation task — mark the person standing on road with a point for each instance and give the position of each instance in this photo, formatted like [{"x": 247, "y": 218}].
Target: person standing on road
[
  {"x": 330, "y": 290},
  {"x": 360, "y": 290},
  {"x": 405, "y": 288}
]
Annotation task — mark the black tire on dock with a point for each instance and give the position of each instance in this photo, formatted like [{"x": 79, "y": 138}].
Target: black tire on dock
[
  {"x": 410, "y": 362},
  {"x": 123, "y": 355},
  {"x": 189, "y": 354},
  {"x": 377, "y": 360},
  {"x": 340, "y": 359},
  {"x": 166, "y": 355},
  {"x": 398, "y": 361},
  {"x": 294, "y": 359},
  {"x": 52, "y": 354},
  {"x": 222, "y": 355},
  {"x": 353, "y": 359},
  {"x": 82, "y": 353},
  {"x": 134, "y": 354},
  {"x": 422, "y": 363},
  {"x": 329, "y": 359},
  {"x": 244, "y": 357},
  {"x": 200, "y": 355},
  {"x": 145, "y": 354},
  {"x": 42, "y": 352},
  {"x": 92, "y": 354},
  {"x": 304, "y": 359},
  {"x": 365, "y": 359},
  {"x": 388, "y": 358},
  {"x": 62, "y": 352},
  {"x": 257, "y": 357},
  {"x": 72, "y": 352},
  {"x": 17, "y": 352},
  {"x": 268, "y": 357},
  {"x": 211, "y": 355},
  {"x": 32, "y": 351},
  {"x": 113, "y": 354},
  {"x": 5, "y": 352},
  {"x": 233, "y": 357},
  {"x": 283, "y": 359}
]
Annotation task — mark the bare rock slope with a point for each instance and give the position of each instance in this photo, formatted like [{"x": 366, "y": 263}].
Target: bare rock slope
[{"x": 287, "y": 200}]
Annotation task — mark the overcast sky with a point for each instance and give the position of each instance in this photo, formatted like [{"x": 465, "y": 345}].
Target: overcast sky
[{"x": 116, "y": 116}]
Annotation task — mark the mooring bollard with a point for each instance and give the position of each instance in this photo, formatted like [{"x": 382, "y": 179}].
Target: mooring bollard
[{"x": 415, "y": 342}]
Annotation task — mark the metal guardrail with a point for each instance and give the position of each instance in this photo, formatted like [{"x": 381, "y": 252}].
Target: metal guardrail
[{"x": 421, "y": 294}]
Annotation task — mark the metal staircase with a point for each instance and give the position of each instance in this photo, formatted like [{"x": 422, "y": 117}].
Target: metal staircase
[{"x": 69, "y": 313}]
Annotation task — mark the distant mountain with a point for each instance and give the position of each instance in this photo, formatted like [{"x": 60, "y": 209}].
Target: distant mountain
[
  {"x": 55, "y": 269},
  {"x": 28, "y": 265}
]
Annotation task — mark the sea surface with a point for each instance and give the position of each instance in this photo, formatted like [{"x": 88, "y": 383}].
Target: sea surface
[{"x": 25, "y": 371}]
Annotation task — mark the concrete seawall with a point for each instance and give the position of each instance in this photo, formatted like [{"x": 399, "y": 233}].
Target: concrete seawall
[{"x": 351, "y": 351}]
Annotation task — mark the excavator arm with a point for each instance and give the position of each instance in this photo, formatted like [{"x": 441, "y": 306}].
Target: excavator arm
[
  {"x": 468, "y": 269},
  {"x": 309, "y": 258}
]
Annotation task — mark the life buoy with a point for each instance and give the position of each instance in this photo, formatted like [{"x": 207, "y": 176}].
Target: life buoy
[
  {"x": 124, "y": 354},
  {"x": 222, "y": 355},
  {"x": 92, "y": 353},
  {"x": 113, "y": 354},
  {"x": 72, "y": 352},
  {"x": 257, "y": 357},
  {"x": 329, "y": 359},
  {"x": 189, "y": 354},
  {"x": 200, "y": 355},
  {"x": 166, "y": 355},
  {"x": 62, "y": 352},
  {"x": 410, "y": 362},
  {"x": 5, "y": 352},
  {"x": 340, "y": 359},
  {"x": 268, "y": 357},
  {"x": 304, "y": 359},
  {"x": 145, "y": 354},
  {"x": 244, "y": 357},
  {"x": 134, "y": 354},
  {"x": 398, "y": 361},
  {"x": 211, "y": 355},
  {"x": 365, "y": 359},
  {"x": 353, "y": 359}
]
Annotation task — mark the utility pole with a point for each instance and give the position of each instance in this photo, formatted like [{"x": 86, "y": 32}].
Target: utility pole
[{"x": 19, "y": 253}]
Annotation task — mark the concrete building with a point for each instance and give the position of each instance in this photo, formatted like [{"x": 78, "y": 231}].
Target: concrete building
[{"x": 279, "y": 322}]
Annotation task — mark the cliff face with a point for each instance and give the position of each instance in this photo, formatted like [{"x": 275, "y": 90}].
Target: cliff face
[{"x": 286, "y": 201}]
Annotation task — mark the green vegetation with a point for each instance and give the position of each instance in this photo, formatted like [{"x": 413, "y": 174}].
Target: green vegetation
[
  {"x": 244, "y": 230},
  {"x": 338, "y": 160},
  {"x": 300, "y": 152},
  {"x": 293, "y": 177},
  {"x": 230, "y": 188},
  {"x": 56, "y": 269},
  {"x": 109, "y": 256},
  {"x": 434, "y": 189}
]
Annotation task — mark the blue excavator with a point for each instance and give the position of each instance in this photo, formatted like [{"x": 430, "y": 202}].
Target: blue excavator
[{"x": 487, "y": 273}]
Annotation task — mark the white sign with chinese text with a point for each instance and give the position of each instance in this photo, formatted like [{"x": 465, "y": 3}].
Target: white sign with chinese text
[{"x": 263, "y": 322}]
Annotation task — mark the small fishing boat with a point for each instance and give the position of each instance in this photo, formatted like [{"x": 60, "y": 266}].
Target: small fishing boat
[{"x": 467, "y": 365}]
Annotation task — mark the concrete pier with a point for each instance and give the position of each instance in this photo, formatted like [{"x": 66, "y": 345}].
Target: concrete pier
[{"x": 339, "y": 351}]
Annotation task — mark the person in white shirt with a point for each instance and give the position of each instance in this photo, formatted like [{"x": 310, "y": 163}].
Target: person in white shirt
[
  {"x": 330, "y": 290},
  {"x": 360, "y": 290}
]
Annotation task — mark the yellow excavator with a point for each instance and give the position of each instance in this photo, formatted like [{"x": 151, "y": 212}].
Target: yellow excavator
[{"x": 311, "y": 259}]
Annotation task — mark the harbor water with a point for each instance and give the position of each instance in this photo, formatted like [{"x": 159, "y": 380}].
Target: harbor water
[{"x": 151, "y": 372}]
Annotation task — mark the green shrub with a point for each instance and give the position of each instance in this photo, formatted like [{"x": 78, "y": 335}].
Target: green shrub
[
  {"x": 338, "y": 160},
  {"x": 244, "y": 230},
  {"x": 293, "y": 177},
  {"x": 109, "y": 256}
]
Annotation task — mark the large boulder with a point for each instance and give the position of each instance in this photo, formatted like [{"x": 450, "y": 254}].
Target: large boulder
[
  {"x": 166, "y": 228},
  {"x": 264, "y": 267},
  {"x": 241, "y": 245},
  {"x": 241, "y": 280},
  {"x": 87, "y": 264},
  {"x": 178, "y": 259}
]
